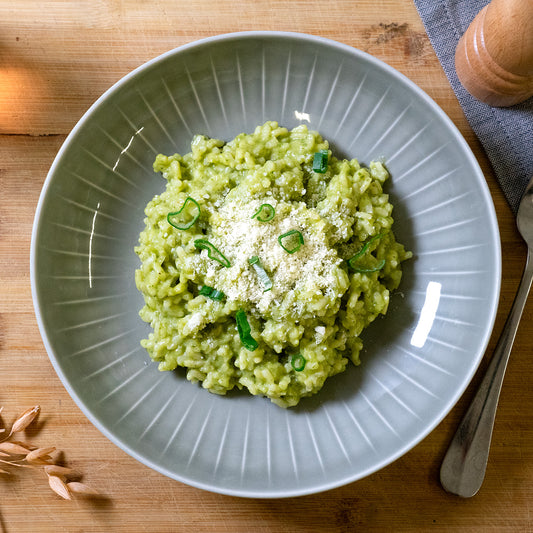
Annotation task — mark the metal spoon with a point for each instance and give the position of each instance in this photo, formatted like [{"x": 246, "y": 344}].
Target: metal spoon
[{"x": 465, "y": 462}]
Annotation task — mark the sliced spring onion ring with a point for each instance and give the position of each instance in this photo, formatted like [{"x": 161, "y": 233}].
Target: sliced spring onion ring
[
  {"x": 320, "y": 161},
  {"x": 261, "y": 272},
  {"x": 212, "y": 252},
  {"x": 352, "y": 262},
  {"x": 245, "y": 332},
  {"x": 214, "y": 294},
  {"x": 298, "y": 362},
  {"x": 290, "y": 239},
  {"x": 265, "y": 213},
  {"x": 217, "y": 295},
  {"x": 206, "y": 290},
  {"x": 175, "y": 220},
  {"x": 362, "y": 270}
]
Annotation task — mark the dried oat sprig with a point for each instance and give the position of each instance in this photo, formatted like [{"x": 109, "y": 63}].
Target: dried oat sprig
[
  {"x": 24, "y": 420},
  {"x": 40, "y": 454},
  {"x": 81, "y": 488},
  {"x": 13, "y": 448},
  {"x": 23, "y": 455},
  {"x": 59, "y": 487},
  {"x": 60, "y": 471}
]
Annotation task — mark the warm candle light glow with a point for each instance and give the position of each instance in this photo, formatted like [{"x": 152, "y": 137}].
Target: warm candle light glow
[{"x": 20, "y": 87}]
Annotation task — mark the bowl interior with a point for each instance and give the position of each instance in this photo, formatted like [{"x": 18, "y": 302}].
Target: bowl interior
[{"x": 416, "y": 361}]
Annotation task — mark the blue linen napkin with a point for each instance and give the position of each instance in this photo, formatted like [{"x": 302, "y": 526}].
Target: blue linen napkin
[{"x": 505, "y": 133}]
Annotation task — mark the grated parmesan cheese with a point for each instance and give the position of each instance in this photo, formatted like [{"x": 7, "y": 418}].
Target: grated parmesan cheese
[{"x": 238, "y": 236}]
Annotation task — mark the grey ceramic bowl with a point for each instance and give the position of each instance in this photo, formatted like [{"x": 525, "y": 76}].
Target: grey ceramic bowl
[{"x": 417, "y": 361}]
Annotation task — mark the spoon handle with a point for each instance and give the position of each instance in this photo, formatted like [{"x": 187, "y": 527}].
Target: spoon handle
[{"x": 464, "y": 464}]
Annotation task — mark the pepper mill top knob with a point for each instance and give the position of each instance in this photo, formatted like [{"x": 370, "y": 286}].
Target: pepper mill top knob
[{"x": 494, "y": 57}]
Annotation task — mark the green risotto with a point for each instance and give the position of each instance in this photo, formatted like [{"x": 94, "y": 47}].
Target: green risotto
[{"x": 263, "y": 261}]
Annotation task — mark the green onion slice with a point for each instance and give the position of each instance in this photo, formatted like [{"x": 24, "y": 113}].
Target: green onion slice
[
  {"x": 261, "y": 272},
  {"x": 298, "y": 362},
  {"x": 294, "y": 240},
  {"x": 352, "y": 262},
  {"x": 362, "y": 270},
  {"x": 214, "y": 294},
  {"x": 217, "y": 295},
  {"x": 265, "y": 213},
  {"x": 175, "y": 220},
  {"x": 245, "y": 332},
  {"x": 206, "y": 290},
  {"x": 320, "y": 161},
  {"x": 212, "y": 252}
]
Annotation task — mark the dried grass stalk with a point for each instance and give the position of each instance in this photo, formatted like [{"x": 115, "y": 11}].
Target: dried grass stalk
[
  {"x": 40, "y": 453},
  {"x": 56, "y": 470},
  {"x": 13, "y": 448},
  {"x": 60, "y": 471},
  {"x": 41, "y": 461},
  {"x": 25, "y": 419},
  {"x": 27, "y": 445},
  {"x": 33, "y": 456},
  {"x": 81, "y": 488},
  {"x": 59, "y": 487}
]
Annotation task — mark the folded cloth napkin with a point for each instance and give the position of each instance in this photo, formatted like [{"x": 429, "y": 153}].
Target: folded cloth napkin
[{"x": 505, "y": 133}]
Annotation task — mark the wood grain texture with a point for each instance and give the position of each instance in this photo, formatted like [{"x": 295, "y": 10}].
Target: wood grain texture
[{"x": 56, "y": 58}]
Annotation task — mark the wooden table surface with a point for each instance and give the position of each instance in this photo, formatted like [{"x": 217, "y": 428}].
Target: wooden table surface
[{"x": 56, "y": 58}]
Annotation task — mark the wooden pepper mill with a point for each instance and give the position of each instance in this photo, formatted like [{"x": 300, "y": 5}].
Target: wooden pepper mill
[{"x": 494, "y": 57}]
